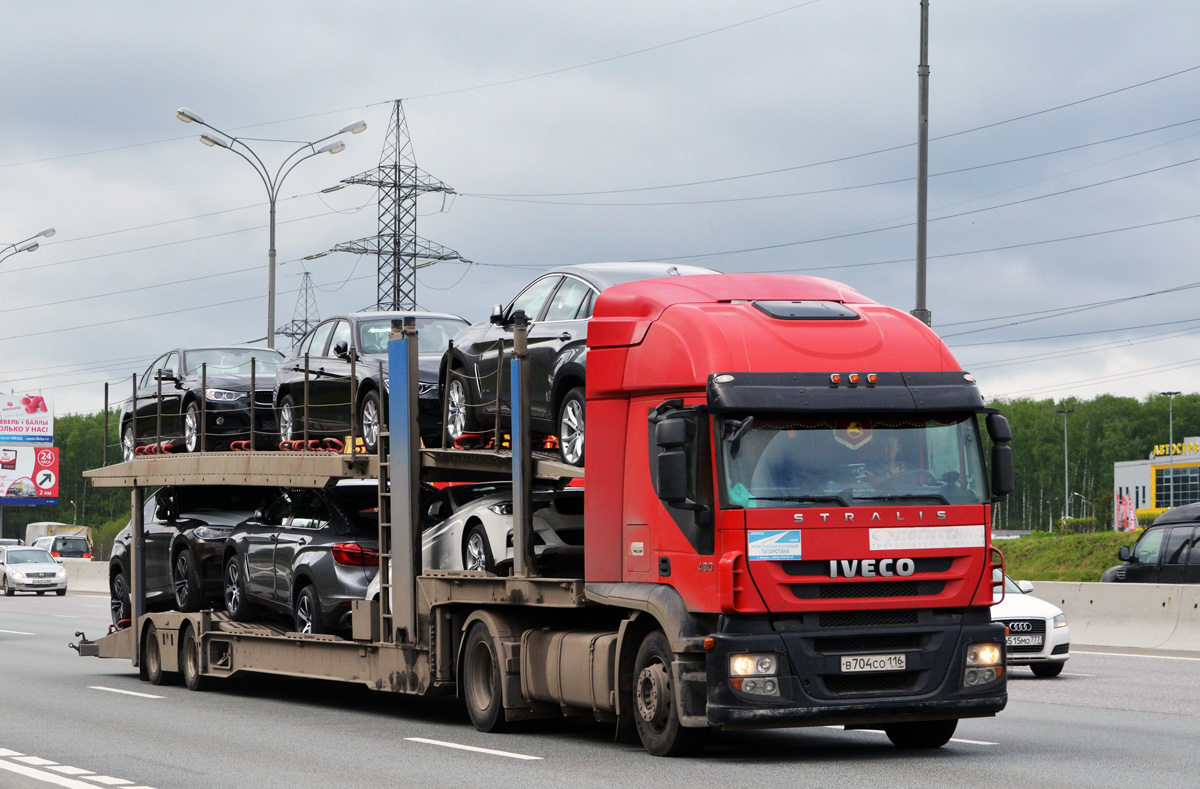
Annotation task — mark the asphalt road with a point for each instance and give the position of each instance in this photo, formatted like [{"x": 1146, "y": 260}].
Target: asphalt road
[{"x": 1108, "y": 721}]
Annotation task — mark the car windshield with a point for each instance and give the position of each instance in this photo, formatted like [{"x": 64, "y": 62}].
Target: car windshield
[
  {"x": 231, "y": 361},
  {"x": 433, "y": 335},
  {"x": 30, "y": 556},
  {"x": 360, "y": 503},
  {"x": 771, "y": 460}
]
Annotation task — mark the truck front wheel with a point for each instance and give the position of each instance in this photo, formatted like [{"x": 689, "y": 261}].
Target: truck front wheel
[
  {"x": 654, "y": 711},
  {"x": 481, "y": 680},
  {"x": 925, "y": 734}
]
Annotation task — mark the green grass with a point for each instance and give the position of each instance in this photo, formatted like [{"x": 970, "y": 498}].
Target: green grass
[{"x": 1063, "y": 557}]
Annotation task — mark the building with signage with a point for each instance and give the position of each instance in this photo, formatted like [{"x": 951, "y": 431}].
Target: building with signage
[{"x": 1168, "y": 478}]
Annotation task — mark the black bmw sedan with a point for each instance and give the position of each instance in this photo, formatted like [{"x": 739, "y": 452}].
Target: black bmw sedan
[
  {"x": 313, "y": 384},
  {"x": 182, "y": 384}
]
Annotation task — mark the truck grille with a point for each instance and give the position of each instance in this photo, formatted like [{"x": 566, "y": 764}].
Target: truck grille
[
  {"x": 850, "y": 590},
  {"x": 867, "y": 618},
  {"x": 1038, "y": 626},
  {"x": 884, "y": 642},
  {"x": 820, "y": 567}
]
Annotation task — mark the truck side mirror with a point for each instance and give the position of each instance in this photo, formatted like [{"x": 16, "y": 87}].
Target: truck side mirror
[
  {"x": 497, "y": 317},
  {"x": 672, "y": 476},
  {"x": 1124, "y": 554},
  {"x": 1002, "y": 471}
]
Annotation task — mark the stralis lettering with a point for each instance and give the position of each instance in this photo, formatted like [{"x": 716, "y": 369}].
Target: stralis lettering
[
  {"x": 848, "y": 517},
  {"x": 869, "y": 568}
]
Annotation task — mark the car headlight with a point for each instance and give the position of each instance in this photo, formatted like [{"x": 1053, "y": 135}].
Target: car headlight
[
  {"x": 209, "y": 533},
  {"x": 501, "y": 508},
  {"x": 754, "y": 673},
  {"x": 425, "y": 389},
  {"x": 223, "y": 395},
  {"x": 1060, "y": 620},
  {"x": 17, "y": 574},
  {"x": 61, "y": 573}
]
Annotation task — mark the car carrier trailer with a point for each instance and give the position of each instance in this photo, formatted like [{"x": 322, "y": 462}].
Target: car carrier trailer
[{"x": 709, "y": 599}]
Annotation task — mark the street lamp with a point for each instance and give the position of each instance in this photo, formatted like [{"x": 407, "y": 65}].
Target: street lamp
[
  {"x": 271, "y": 181},
  {"x": 75, "y": 518},
  {"x": 1171, "y": 444},
  {"x": 1085, "y": 501},
  {"x": 28, "y": 245},
  {"x": 1066, "y": 486}
]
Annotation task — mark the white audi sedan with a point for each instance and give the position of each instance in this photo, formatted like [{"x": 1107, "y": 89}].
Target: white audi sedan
[
  {"x": 1038, "y": 635},
  {"x": 30, "y": 570}
]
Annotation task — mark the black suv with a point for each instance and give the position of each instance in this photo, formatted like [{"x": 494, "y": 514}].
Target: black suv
[
  {"x": 186, "y": 528},
  {"x": 1168, "y": 552}
]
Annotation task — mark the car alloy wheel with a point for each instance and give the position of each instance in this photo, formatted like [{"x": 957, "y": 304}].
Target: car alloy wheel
[
  {"x": 370, "y": 421},
  {"x": 287, "y": 419},
  {"x": 191, "y": 427},
  {"x": 128, "y": 445},
  {"x": 456, "y": 408},
  {"x": 570, "y": 428}
]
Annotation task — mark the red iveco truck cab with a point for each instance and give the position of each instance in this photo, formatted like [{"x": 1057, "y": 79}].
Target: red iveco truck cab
[
  {"x": 790, "y": 478},
  {"x": 786, "y": 523}
]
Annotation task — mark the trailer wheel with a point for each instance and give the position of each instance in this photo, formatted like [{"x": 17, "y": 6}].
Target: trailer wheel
[
  {"x": 189, "y": 659},
  {"x": 152, "y": 656},
  {"x": 923, "y": 734},
  {"x": 188, "y": 595},
  {"x": 481, "y": 680},
  {"x": 655, "y": 714}
]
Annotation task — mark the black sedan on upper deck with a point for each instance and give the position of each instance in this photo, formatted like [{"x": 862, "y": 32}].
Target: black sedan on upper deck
[
  {"x": 313, "y": 384},
  {"x": 181, "y": 384},
  {"x": 558, "y": 305}
]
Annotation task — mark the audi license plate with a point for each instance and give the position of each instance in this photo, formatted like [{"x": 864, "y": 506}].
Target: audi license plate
[
  {"x": 1024, "y": 641},
  {"x": 856, "y": 663}
]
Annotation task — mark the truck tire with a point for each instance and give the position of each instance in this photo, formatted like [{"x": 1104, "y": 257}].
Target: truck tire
[
  {"x": 189, "y": 660},
  {"x": 570, "y": 427},
  {"x": 186, "y": 579},
  {"x": 1047, "y": 670},
  {"x": 152, "y": 656},
  {"x": 921, "y": 734},
  {"x": 653, "y": 706},
  {"x": 477, "y": 554},
  {"x": 481, "y": 680},
  {"x": 119, "y": 603},
  {"x": 236, "y": 604}
]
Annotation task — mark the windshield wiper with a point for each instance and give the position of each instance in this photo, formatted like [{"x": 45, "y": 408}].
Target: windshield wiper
[
  {"x": 896, "y": 496},
  {"x": 825, "y": 497}
]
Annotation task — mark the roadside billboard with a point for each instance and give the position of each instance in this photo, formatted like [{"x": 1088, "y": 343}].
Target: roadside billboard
[
  {"x": 26, "y": 419},
  {"x": 28, "y": 475}
]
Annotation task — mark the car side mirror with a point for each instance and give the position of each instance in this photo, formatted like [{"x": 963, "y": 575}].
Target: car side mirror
[
  {"x": 341, "y": 350},
  {"x": 1025, "y": 586},
  {"x": 1124, "y": 554},
  {"x": 497, "y": 317},
  {"x": 167, "y": 375},
  {"x": 259, "y": 514},
  {"x": 435, "y": 509}
]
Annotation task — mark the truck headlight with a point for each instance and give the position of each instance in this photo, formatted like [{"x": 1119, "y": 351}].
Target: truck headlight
[
  {"x": 223, "y": 395},
  {"x": 754, "y": 673},
  {"x": 983, "y": 664},
  {"x": 1060, "y": 620}
]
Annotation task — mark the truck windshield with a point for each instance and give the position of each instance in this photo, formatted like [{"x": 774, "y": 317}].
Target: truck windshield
[{"x": 772, "y": 460}]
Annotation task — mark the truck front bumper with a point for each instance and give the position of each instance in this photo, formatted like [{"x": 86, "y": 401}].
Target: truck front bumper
[{"x": 812, "y": 688}]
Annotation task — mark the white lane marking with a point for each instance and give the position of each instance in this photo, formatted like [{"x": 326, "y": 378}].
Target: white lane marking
[
  {"x": 17, "y": 633},
  {"x": 34, "y": 761},
  {"x": 1124, "y": 654},
  {"x": 126, "y": 692},
  {"x": 474, "y": 749},
  {"x": 66, "y": 616},
  {"x": 42, "y": 775},
  {"x": 68, "y": 770},
  {"x": 880, "y": 731},
  {"x": 107, "y": 780},
  {"x": 1074, "y": 674},
  {"x": 5, "y": 752}
]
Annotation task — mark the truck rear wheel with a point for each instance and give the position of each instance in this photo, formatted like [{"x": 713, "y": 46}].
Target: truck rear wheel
[
  {"x": 922, "y": 734},
  {"x": 481, "y": 680},
  {"x": 189, "y": 660},
  {"x": 152, "y": 657},
  {"x": 654, "y": 710}
]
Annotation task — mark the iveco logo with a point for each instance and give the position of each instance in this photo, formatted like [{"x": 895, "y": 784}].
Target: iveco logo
[
  {"x": 1020, "y": 627},
  {"x": 870, "y": 568}
]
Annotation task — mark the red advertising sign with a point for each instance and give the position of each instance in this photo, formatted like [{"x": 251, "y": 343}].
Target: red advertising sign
[{"x": 28, "y": 475}]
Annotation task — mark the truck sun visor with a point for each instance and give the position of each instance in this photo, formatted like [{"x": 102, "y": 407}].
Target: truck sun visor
[
  {"x": 807, "y": 310},
  {"x": 916, "y": 391}
]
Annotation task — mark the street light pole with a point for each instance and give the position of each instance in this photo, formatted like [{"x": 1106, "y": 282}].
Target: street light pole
[
  {"x": 1088, "y": 503},
  {"x": 30, "y": 244},
  {"x": 1171, "y": 445},
  {"x": 272, "y": 182},
  {"x": 921, "y": 312},
  {"x": 1066, "y": 473}
]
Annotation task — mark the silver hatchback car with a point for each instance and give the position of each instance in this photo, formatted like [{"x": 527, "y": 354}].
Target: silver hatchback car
[{"x": 30, "y": 569}]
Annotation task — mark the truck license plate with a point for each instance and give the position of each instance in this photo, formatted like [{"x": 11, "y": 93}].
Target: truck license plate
[
  {"x": 1024, "y": 641},
  {"x": 856, "y": 663}
]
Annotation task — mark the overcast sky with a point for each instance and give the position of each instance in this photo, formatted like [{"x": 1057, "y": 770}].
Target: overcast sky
[{"x": 763, "y": 135}]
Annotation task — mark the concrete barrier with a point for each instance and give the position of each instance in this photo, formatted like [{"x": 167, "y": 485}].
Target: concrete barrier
[
  {"x": 87, "y": 576},
  {"x": 1146, "y": 616}
]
